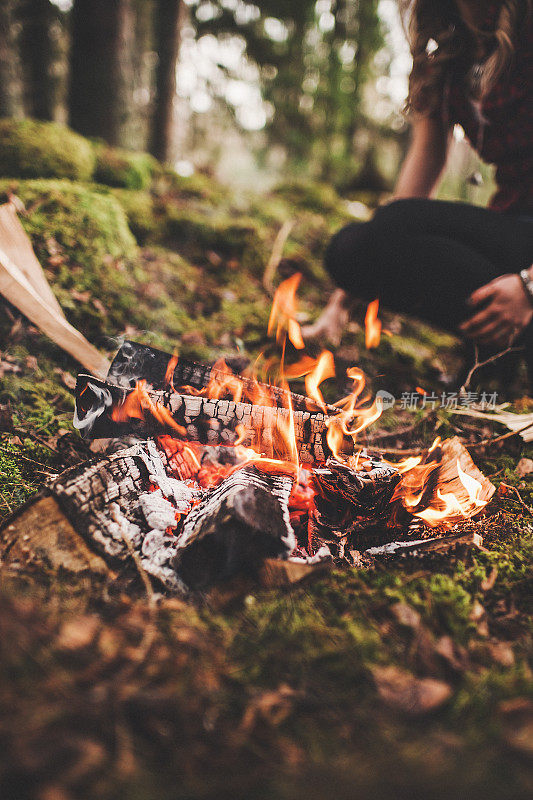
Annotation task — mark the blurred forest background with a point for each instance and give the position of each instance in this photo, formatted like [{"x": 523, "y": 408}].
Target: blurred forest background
[{"x": 244, "y": 91}]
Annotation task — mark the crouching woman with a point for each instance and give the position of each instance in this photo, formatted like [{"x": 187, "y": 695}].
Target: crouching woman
[{"x": 465, "y": 268}]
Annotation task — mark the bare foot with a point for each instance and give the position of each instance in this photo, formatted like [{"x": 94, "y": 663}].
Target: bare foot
[{"x": 331, "y": 324}]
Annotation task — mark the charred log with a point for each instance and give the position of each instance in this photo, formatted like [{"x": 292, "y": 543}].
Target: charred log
[
  {"x": 134, "y": 362},
  {"x": 241, "y": 523},
  {"x": 459, "y": 544},
  {"x": 134, "y": 500},
  {"x": 111, "y": 502}
]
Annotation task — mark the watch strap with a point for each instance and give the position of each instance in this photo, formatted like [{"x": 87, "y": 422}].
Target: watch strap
[{"x": 527, "y": 282}]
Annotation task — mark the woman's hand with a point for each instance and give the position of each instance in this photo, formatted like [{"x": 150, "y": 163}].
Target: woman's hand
[{"x": 506, "y": 313}]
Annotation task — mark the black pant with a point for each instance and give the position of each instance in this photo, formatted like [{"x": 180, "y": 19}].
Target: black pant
[{"x": 425, "y": 257}]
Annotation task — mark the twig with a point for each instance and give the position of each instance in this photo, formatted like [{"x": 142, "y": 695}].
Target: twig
[
  {"x": 508, "y": 435},
  {"x": 478, "y": 364},
  {"x": 475, "y": 446},
  {"x": 35, "y": 438},
  {"x": 6, "y": 501},
  {"x": 277, "y": 253},
  {"x": 513, "y": 489},
  {"x": 393, "y": 452}
]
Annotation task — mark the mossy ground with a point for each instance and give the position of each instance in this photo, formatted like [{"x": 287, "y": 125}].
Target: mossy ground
[{"x": 273, "y": 695}]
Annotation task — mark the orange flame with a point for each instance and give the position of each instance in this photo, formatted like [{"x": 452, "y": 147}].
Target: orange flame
[
  {"x": 223, "y": 382},
  {"x": 441, "y": 509},
  {"x": 274, "y": 448},
  {"x": 138, "y": 405},
  {"x": 171, "y": 367},
  {"x": 324, "y": 368},
  {"x": 283, "y": 312},
  {"x": 372, "y": 325},
  {"x": 352, "y": 418}
]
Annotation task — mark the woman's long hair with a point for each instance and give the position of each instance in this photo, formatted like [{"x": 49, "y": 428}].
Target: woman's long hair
[{"x": 442, "y": 42}]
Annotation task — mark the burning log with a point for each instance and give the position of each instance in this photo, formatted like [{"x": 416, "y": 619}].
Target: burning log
[
  {"x": 351, "y": 497},
  {"x": 135, "y": 362},
  {"x": 239, "y": 524},
  {"x": 446, "y": 487},
  {"x": 105, "y": 410}
]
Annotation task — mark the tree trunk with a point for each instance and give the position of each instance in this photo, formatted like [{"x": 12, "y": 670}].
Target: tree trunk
[
  {"x": 100, "y": 100},
  {"x": 10, "y": 85},
  {"x": 144, "y": 70},
  {"x": 167, "y": 28},
  {"x": 37, "y": 49}
]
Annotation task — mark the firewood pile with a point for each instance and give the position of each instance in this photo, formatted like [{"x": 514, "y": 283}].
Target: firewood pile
[{"x": 191, "y": 503}]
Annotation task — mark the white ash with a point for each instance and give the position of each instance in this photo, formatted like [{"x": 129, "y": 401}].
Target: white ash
[
  {"x": 322, "y": 554},
  {"x": 158, "y": 512},
  {"x": 176, "y": 490},
  {"x": 157, "y": 551},
  {"x": 158, "y": 548},
  {"x": 118, "y": 528}
]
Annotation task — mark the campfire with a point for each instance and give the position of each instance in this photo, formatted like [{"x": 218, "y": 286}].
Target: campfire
[{"x": 220, "y": 470}]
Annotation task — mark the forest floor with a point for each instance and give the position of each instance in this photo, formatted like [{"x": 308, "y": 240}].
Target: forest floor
[{"x": 410, "y": 679}]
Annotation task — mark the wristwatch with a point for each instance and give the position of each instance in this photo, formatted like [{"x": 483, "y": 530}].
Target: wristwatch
[{"x": 527, "y": 282}]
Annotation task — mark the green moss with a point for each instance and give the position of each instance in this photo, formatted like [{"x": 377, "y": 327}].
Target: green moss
[
  {"x": 82, "y": 239},
  {"x": 86, "y": 223},
  {"x": 31, "y": 149},
  {"x": 198, "y": 187},
  {"x": 311, "y": 196},
  {"x": 194, "y": 234},
  {"x": 144, "y": 222},
  {"x": 123, "y": 168}
]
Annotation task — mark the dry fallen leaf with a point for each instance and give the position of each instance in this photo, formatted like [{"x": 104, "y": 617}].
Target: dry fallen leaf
[
  {"x": 452, "y": 654},
  {"x": 405, "y": 692},
  {"x": 524, "y": 467},
  {"x": 488, "y": 583},
  {"x": 66, "y": 377},
  {"x": 99, "y": 306},
  {"x": 78, "y": 633},
  {"x": 6, "y": 417},
  {"x": 81, "y": 297},
  {"x": 517, "y": 718},
  {"x": 8, "y": 365},
  {"x": 502, "y": 653},
  {"x": 272, "y": 707},
  {"x": 478, "y": 616}
]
